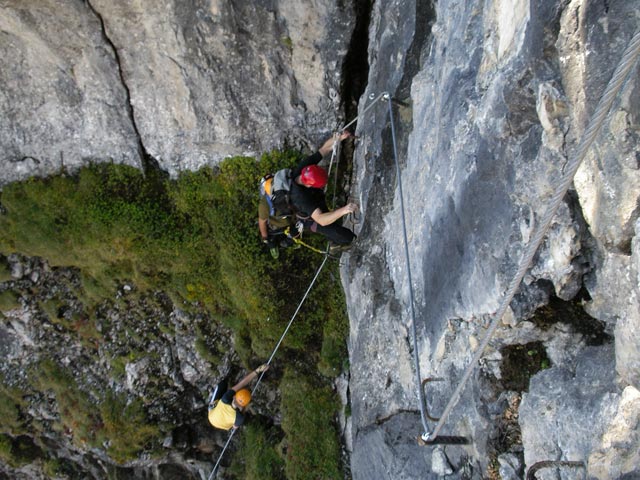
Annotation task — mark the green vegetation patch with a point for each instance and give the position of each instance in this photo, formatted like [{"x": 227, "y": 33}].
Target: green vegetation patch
[
  {"x": 11, "y": 404},
  {"x": 204, "y": 348},
  {"x": 82, "y": 325},
  {"x": 259, "y": 457},
  {"x": 333, "y": 353},
  {"x": 8, "y": 301},
  {"x": 116, "y": 420},
  {"x": 196, "y": 239},
  {"x": 77, "y": 412},
  {"x": 5, "y": 272},
  {"x": 308, "y": 420},
  {"x": 119, "y": 363},
  {"x": 18, "y": 451},
  {"x": 126, "y": 427},
  {"x": 520, "y": 363}
]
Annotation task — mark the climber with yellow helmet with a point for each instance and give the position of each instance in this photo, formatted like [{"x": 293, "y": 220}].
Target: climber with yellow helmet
[{"x": 226, "y": 409}]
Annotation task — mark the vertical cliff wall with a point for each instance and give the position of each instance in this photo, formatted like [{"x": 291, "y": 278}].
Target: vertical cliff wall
[
  {"x": 495, "y": 98},
  {"x": 184, "y": 84},
  {"x": 490, "y": 98}
]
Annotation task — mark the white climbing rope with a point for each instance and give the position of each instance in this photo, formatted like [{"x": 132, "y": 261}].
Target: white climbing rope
[{"x": 622, "y": 70}]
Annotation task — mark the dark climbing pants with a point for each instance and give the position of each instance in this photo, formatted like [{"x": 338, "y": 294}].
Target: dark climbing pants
[{"x": 334, "y": 233}]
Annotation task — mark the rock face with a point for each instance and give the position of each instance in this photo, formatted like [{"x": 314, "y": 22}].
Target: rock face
[
  {"x": 34, "y": 330},
  {"x": 490, "y": 99},
  {"x": 575, "y": 414},
  {"x": 186, "y": 85},
  {"x": 63, "y": 102},
  {"x": 495, "y": 96}
]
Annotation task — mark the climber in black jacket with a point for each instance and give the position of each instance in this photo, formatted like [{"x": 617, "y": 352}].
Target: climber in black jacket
[{"x": 308, "y": 199}]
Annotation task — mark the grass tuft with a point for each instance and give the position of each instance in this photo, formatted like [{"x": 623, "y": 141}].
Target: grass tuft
[{"x": 308, "y": 420}]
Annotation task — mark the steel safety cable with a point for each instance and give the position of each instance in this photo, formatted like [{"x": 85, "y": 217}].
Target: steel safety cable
[
  {"x": 366, "y": 109},
  {"x": 273, "y": 353},
  {"x": 615, "y": 84},
  {"x": 324, "y": 261},
  {"x": 335, "y": 156},
  {"x": 414, "y": 334}
]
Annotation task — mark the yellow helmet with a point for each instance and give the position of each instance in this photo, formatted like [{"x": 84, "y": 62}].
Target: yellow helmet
[
  {"x": 243, "y": 397},
  {"x": 267, "y": 184}
]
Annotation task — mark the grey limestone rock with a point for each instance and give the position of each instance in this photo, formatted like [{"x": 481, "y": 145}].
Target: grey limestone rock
[
  {"x": 62, "y": 102},
  {"x": 510, "y": 467},
  {"x": 187, "y": 84},
  {"x": 618, "y": 455},
  {"x": 615, "y": 289},
  {"x": 574, "y": 415},
  {"x": 495, "y": 96},
  {"x": 490, "y": 101}
]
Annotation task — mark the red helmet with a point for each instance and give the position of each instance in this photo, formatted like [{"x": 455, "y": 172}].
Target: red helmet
[{"x": 314, "y": 176}]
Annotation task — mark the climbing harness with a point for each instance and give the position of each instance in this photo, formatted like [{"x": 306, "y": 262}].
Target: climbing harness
[
  {"x": 298, "y": 241},
  {"x": 622, "y": 70}
]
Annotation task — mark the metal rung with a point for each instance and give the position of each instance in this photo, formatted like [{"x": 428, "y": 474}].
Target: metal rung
[
  {"x": 444, "y": 440},
  {"x": 424, "y": 384},
  {"x": 531, "y": 474}
]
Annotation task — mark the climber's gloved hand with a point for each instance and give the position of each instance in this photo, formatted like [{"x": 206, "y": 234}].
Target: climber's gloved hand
[{"x": 262, "y": 368}]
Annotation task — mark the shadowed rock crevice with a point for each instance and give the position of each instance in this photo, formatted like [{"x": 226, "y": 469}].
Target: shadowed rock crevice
[
  {"x": 148, "y": 161},
  {"x": 385, "y": 419},
  {"x": 572, "y": 313},
  {"x": 520, "y": 363},
  {"x": 426, "y": 15},
  {"x": 355, "y": 67}
]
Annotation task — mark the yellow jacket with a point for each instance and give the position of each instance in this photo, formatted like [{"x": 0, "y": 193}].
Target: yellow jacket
[{"x": 222, "y": 416}]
